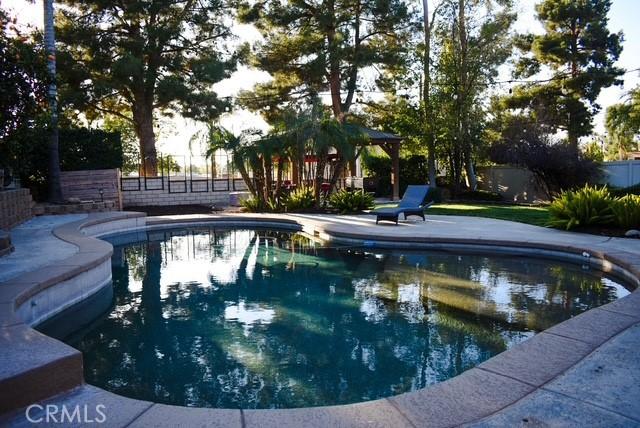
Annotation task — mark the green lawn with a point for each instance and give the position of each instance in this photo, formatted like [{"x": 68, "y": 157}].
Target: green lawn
[{"x": 522, "y": 214}]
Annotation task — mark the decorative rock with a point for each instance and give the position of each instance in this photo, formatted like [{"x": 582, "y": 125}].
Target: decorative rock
[{"x": 633, "y": 233}]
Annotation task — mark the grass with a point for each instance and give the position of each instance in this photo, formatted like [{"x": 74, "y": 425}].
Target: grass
[{"x": 523, "y": 214}]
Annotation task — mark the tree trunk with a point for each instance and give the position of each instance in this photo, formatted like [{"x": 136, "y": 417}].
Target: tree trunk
[
  {"x": 463, "y": 90},
  {"x": 320, "y": 166},
  {"x": 571, "y": 133},
  {"x": 55, "y": 190},
  {"x": 267, "y": 166},
  {"x": 470, "y": 170},
  {"x": 334, "y": 66},
  {"x": 143, "y": 124},
  {"x": 340, "y": 165},
  {"x": 426, "y": 96},
  {"x": 280, "y": 172},
  {"x": 238, "y": 161}
]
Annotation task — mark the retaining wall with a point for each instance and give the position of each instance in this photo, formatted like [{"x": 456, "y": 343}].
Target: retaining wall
[
  {"x": 86, "y": 185},
  {"x": 15, "y": 207}
]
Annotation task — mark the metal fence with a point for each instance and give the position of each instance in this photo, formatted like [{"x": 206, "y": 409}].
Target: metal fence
[{"x": 186, "y": 174}]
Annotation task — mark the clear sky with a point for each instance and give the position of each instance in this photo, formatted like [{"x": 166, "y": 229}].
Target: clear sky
[{"x": 624, "y": 16}]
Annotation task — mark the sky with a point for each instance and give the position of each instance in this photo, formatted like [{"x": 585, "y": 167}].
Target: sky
[{"x": 177, "y": 132}]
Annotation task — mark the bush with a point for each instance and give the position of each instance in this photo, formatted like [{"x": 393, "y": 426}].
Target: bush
[
  {"x": 413, "y": 170},
  {"x": 555, "y": 165},
  {"x": 300, "y": 199},
  {"x": 79, "y": 149},
  {"x": 587, "y": 206},
  {"x": 623, "y": 191},
  {"x": 480, "y": 195},
  {"x": 252, "y": 205},
  {"x": 346, "y": 201},
  {"x": 626, "y": 211}
]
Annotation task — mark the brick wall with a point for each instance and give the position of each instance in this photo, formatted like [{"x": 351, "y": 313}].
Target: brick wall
[
  {"x": 86, "y": 185},
  {"x": 15, "y": 207},
  {"x": 160, "y": 197}
]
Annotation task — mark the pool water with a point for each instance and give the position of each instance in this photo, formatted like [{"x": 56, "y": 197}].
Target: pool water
[{"x": 267, "y": 319}]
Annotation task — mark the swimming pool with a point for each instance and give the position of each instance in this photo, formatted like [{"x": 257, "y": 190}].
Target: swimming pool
[{"x": 269, "y": 319}]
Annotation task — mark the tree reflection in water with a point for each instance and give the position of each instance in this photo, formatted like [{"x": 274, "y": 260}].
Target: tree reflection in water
[{"x": 260, "y": 319}]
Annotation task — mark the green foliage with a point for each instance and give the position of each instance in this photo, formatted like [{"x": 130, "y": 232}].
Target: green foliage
[
  {"x": 300, "y": 199},
  {"x": 138, "y": 59},
  {"x": 623, "y": 191},
  {"x": 79, "y": 148},
  {"x": 310, "y": 47},
  {"x": 593, "y": 151},
  {"x": 23, "y": 80},
  {"x": 623, "y": 126},
  {"x": 479, "y": 195},
  {"x": 587, "y": 206},
  {"x": 581, "y": 52},
  {"x": 413, "y": 170},
  {"x": 626, "y": 211},
  {"x": 351, "y": 201},
  {"x": 524, "y": 143},
  {"x": 252, "y": 205}
]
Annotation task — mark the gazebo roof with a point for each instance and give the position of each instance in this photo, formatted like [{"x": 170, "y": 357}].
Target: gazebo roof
[{"x": 378, "y": 136}]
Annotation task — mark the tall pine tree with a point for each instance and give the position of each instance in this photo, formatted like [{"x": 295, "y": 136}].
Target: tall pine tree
[
  {"x": 315, "y": 46},
  {"x": 136, "y": 59},
  {"x": 580, "y": 51}
]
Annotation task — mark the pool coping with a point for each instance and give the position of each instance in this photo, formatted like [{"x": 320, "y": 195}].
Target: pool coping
[{"x": 475, "y": 394}]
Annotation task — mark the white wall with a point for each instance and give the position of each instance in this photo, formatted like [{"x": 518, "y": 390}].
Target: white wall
[{"x": 621, "y": 173}]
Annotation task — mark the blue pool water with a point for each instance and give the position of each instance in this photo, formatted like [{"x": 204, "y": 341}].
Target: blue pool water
[{"x": 267, "y": 319}]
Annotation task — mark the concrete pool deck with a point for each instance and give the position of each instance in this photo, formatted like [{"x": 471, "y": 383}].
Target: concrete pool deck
[{"x": 584, "y": 371}]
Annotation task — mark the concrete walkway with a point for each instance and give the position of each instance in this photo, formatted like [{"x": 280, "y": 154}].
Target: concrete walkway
[
  {"x": 582, "y": 372},
  {"x": 602, "y": 390},
  {"x": 35, "y": 245}
]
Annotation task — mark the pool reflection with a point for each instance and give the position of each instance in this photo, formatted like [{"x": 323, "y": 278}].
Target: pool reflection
[{"x": 260, "y": 319}]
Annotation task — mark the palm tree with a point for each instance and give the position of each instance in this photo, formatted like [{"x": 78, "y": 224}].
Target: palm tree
[{"x": 55, "y": 191}]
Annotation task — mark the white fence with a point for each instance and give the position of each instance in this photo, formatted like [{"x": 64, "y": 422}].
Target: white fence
[{"x": 621, "y": 173}]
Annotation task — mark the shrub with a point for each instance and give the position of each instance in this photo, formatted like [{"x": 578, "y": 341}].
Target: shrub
[
  {"x": 255, "y": 205},
  {"x": 300, "y": 199},
  {"x": 623, "y": 191},
  {"x": 587, "y": 206},
  {"x": 252, "y": 205},
  {"x": 626, "y": 211},
  {"x": 480, "y": 195},
  {"x": 555, "y": 165},
  {"x": 413, "y": 170},
  {"x": 434, "y": 195},
  {"x": 346, "y": 201}
]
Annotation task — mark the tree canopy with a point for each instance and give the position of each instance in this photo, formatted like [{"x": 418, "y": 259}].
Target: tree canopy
[
  {"x": 580, "y": 52},
  {"x": 314, "y": 46},
  {"x": 139, "y": 59}
]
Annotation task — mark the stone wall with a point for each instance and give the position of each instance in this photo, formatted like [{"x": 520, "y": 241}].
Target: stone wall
[
  {"x": 180, "y": 193},
  {"x": 86, "y": 185},
  {"x": 15, "y": 207}
]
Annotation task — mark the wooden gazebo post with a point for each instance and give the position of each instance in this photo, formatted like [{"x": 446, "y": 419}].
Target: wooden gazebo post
[
  {"x": 395, "y": 170},
  {"x": 392, "y": 148},
  {"x": 390, "y": 143}
]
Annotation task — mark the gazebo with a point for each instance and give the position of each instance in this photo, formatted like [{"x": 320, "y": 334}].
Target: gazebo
[{"x": 390, "y": 143}]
